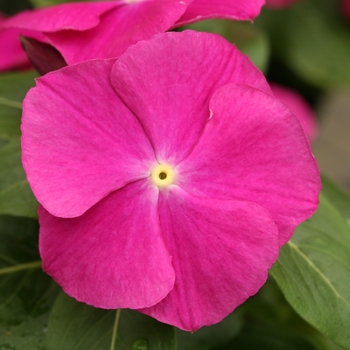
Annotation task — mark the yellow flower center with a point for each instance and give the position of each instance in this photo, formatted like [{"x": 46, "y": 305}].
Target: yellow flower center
[{"x": 163, "y": 175}]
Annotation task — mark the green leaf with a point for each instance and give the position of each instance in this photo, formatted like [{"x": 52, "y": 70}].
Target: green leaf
[
  {"x": 311, "y": 40},
  {"x": 255, "y": 337},
  {"x": 339, "y": 198},
  {"x": 26, "y": 293},
  {"x": 16, "y": 197},
  {"x": 247, "y": 37},
  {"x": 313, "y": 272},
  {"x": 42, "y": 3},
  {"x": 74, "y": 325},
  {"x": 211, "y": 337},
  {"x": 13, "y": 88}
]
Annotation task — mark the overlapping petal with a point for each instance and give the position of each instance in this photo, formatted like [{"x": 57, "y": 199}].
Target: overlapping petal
[
  {"x": 12, "y": 55},
  {"x": 79, "y": 141},
  {"x": 118, "y": 29},
  {"x": 88, "y": 30},
  {"x": 112, "y": 256},
  {"x": 168, "y": 82},
  {"x": 221, "y": 253},
  {"x": 77, "y": 16},
  {"x": 253, "y": 148},
  {"x": 244, "y": 10}
]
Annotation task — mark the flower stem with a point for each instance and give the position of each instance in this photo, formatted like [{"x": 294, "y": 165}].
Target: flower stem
[
  {"x": 20, "y": 267},
  {"x": 10, "y": 103},
  {"x": 115, "y": 329}
]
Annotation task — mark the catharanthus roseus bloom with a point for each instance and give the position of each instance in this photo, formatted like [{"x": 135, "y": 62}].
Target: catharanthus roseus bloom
[
  {"x": 299, "y": 106},
  {"x": 168, "y": 179},
  {"x": 87, "y": 30},
  {"x": 278, "y": 4}
]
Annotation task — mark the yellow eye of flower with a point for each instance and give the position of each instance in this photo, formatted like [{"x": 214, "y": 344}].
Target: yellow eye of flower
[{"x": 163, "y": 175}]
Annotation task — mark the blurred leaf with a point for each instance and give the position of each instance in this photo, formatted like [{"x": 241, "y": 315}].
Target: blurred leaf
[
  {"x": 16, "y": 198},
  {"x": 210, "y": 337},
  {"x": 75, "y": 325},
  {"x": 312, "y": 40},
  {"x": 13, "y": 88},
  {"x": 313, "y": 272},
  {"x": 339, "y": 198},
  {"x": 26, "y": 293},
  {"x": 247, "y": 37},
  {"x": 254, "y": 337},
  {"x": 42, "y": 3}
]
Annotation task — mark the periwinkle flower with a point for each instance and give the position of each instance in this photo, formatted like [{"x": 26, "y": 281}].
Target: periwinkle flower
[
  {"x": 168, "y": 179},
  {"x": 88, "y": 30}
]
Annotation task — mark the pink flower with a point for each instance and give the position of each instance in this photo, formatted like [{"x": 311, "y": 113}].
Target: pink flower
[
  {"x": 81, "y": 31},
  {"x": 299, "y": 107},
  {"x": 279, "y": 4},
  {"x": 12, "y": 56},
  {"x": 168, "y": 179}
]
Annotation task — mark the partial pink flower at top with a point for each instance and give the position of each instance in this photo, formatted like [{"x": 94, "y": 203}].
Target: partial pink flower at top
[
  {"x": 279, "y": 4},
  {"x": 300, "y": 107},
  {"x": 168, "y": 179},
  {"x": 346, "y": 8},
  {"x": 12, "y": 56},
  {"x": 87, "y": 30}
]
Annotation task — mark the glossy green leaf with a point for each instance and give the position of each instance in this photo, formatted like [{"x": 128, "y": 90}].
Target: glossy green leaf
[
  {"x": 311, "y": 40},
  {"x": 313, "y": 271},
  {"x": 13, "y": 88},
  {"x": 208, "y": 338},
  {"x": 247, "y": 37},
  {"x": 26, "y": 293},
  {"x": 74, "y": 325},
  {"x": 16, "y": 198}
]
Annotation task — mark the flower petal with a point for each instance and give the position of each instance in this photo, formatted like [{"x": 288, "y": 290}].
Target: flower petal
[
  {"x": 221, "y": 253},
  {"x": 168, "y": 82},
  {"x": 112, "y": 256},
  {"x": 77, "y": 16},
  {"x": 118, "y": 29},
  {"x": 12, "y": 55},
  {"x": 253, "y": 148},
  {"x": 79, "y": 141},
  {"x": 243, "y": 10}
]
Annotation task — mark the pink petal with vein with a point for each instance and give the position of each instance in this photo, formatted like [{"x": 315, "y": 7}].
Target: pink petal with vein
[
  {"x": 243, "y": 10},
  {"x": 253, "y": 148},
  {"x": 221, "y": 253},
  {"x": 177, "y": 74},
  {"x": 79, "y": 141},
  {"x": 112, "y": 256}
]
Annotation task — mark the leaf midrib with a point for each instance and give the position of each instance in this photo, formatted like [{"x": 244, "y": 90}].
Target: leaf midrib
[{"x": 317, "y": 270}]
